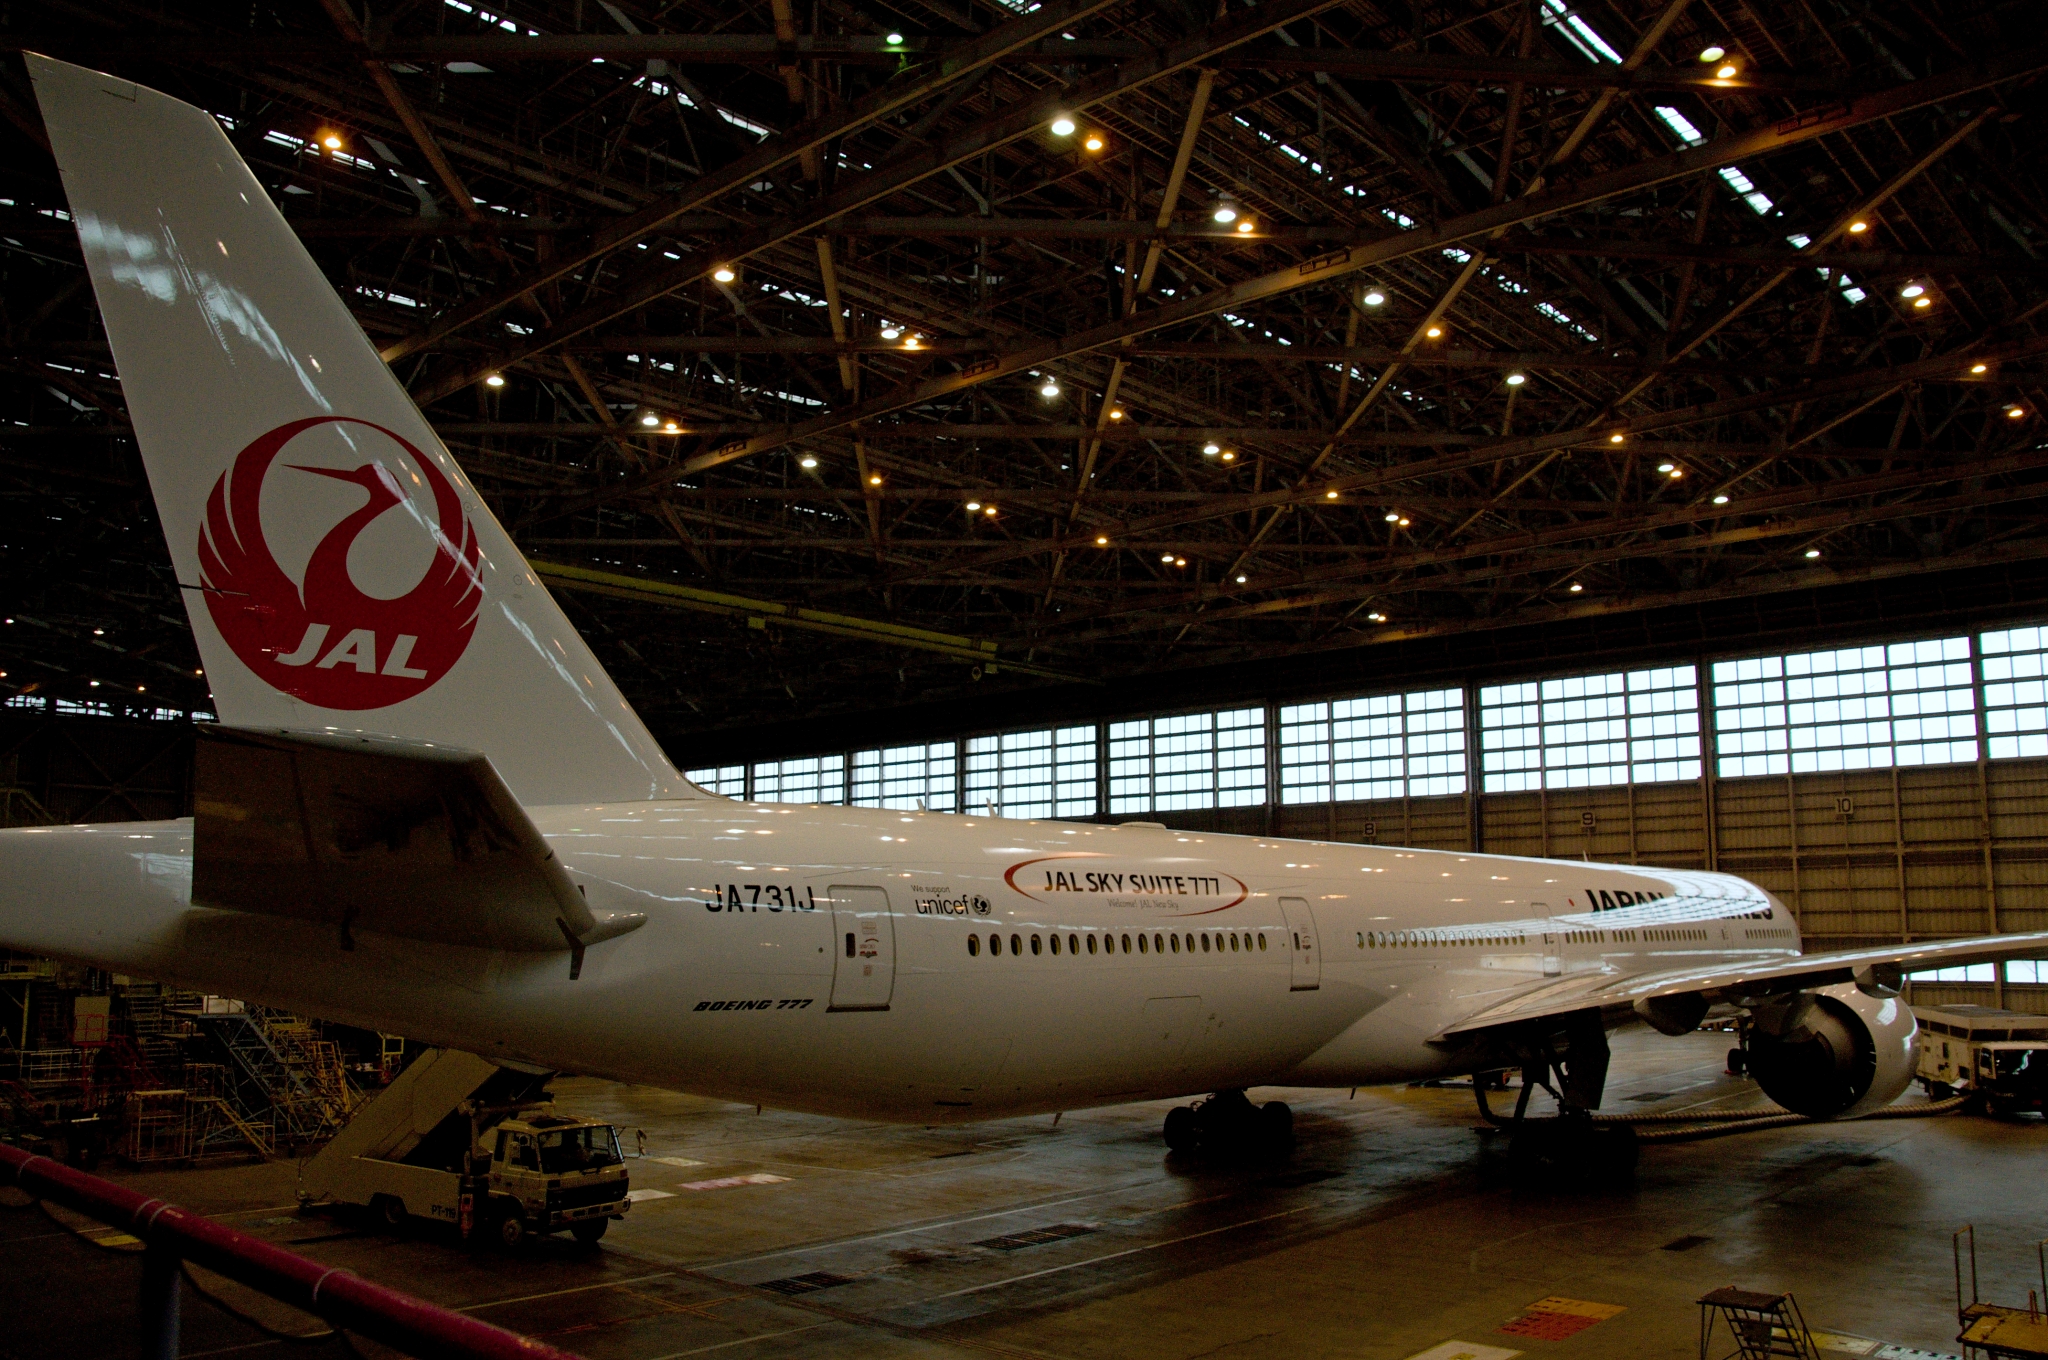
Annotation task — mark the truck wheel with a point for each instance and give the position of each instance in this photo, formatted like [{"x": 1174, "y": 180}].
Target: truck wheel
[
  {"x": 512, "y": 1231},
  {"x": 589, "y": 1231},
  {"x": 388, "y": 1210},
  {"x": 1738, "y": 1062}
]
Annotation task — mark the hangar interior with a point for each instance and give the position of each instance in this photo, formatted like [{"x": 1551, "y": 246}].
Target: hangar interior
[{"x": 1591, "y": 429}]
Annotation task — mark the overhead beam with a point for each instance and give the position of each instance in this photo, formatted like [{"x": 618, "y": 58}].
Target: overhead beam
[
  {"x": 1019, "y": 120},
  {"x": 1050, "y": 17},
  {"x": 766, "y": 49},
  {"x": 1342, "y": 263}
]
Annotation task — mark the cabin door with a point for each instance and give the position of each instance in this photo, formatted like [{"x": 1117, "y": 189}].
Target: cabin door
[
  {"x": 864, "y": 949},
  {"x": 1307, "y": 973}
]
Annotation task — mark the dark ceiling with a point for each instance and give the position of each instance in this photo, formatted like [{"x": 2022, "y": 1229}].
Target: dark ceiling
[{"x": 1541, "y": 318}]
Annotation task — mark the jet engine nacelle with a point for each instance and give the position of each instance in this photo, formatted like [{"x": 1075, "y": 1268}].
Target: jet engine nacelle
[{"x": 1834, "y": 1053}]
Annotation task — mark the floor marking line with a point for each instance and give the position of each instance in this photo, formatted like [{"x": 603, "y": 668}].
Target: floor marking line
[
  {"x": 1130, "y": 1251},
  {"x": 556, "y": 1293},
  {"x": 928, "y": 1227},
  {"x": 744, "y": 1341}
]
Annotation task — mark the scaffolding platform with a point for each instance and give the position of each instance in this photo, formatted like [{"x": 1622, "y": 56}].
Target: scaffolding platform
[{"x": 1762, "y": 1325}]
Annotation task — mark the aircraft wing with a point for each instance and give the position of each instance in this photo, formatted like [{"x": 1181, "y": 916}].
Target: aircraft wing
[
  {"x": 1674, "y": 999},
  {"x": 405, "y": 838}
]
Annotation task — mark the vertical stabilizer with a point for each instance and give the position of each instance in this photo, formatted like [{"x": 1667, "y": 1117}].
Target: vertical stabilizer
[{"x": 340, "y": 572}]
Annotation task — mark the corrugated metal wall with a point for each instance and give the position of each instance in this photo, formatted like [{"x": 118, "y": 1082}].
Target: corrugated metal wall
[{"x": 1864, "y": 857}]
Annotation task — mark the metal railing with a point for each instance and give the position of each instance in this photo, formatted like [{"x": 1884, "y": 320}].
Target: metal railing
[{"x": 172, "y": 1236}]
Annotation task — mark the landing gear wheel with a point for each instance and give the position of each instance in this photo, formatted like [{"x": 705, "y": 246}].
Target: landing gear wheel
[
  {"x": 1181, "y": 1132},
  {"x": 512, "y": 1231},
  {"x": 589, "y": 1231},
  {"x": 1738, "y": 1062},
  {"x": 1275, "y": 1127},
  {"x": 389, "y": 1211}
]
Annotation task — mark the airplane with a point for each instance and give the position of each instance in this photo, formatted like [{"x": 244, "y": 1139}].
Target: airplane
[{"x": 426, "y": 808}]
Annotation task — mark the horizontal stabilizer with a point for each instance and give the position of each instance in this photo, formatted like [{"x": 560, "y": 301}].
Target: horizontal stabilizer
[{"x": 405, "y": 838}]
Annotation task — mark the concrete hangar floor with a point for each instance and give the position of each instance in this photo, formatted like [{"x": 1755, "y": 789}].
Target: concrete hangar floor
[{"x": 1390, "y": 1229}]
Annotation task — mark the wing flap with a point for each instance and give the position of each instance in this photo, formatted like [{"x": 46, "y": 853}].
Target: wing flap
[
  {"x": 405, "y": 838},
  {"x": 1878, "y": 966}
]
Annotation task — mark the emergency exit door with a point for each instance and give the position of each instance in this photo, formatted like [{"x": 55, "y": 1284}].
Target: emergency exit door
[
  {"x": 1306, "y": 974},
  {"x": 864, "y": 949}
]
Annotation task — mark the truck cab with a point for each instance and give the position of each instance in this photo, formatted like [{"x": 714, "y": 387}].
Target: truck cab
[{"x": 556, "y": 1171}]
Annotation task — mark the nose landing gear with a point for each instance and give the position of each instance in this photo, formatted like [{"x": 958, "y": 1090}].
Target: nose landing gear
[{"x": 1228, "y": 1122}]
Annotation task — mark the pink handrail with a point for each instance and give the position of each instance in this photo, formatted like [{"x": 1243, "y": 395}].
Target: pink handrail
[{"x": 345, "y": 1300}]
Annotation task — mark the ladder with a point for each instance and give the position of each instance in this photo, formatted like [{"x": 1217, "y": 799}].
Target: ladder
[{"x": 1763, "y": 1325}]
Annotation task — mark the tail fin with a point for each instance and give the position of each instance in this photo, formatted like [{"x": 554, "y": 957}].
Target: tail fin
[{"x": 340, "y": 571}]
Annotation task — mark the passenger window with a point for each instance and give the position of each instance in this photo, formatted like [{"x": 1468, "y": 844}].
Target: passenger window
[
  {"x": 1262, "y": 940},
  {"x": 995, "y": 944},
  {"x": 1127, "y": 944},
  {"x": 1176, "y": 942},
  {"x": 1091, "y": 944},
  {"x": 1037, "y": 945},
  {"x": 1016, "y": 945},
  {"x": 1141, "y": 944},
  {"x": 1054, "y": 941},
  {"x": 1233, "y": 942},
  {"x": 1073, "y": 944},
  {"x": 973, "y": 946},
  {"x": 1205, "y": 944}
]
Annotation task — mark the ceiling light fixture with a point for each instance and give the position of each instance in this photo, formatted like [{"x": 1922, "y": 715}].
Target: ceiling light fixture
[
  {"x": 890, "y": 332},
  {"x": 1063, "y": 126},
  {"x": 1246, "y": 225},
  {"x": 1373, "y": 297},
  {"x": 2015, "y": 412},
  {"x": 724, "y": 274},
  {"x": 1329, "y": 495},
  {"x": 1225, "y": 210},
  {"x": 494, "y": 380},
  {"x": 650, "y": 419},
  {"x": 1116, "y": 413},
  {"x": 1576, "y": 587},
  {"x": 1393, "y": 518},
  {"x": 910, "y": 342},
  {"x": 1858, "y": 227},
  {"x": 1094, "y": 142},
  {"x": 1212, "y": 449},
  {"x": 1240, "y": 578},
  {"x": 895, "y": 40},
  {"x": 1923, "y": 302},
  {"x": 1401, "y": 523},
  {"x": 974, "y": 505},
  {"x": 1912, "y": 290},
  {"x": 874, "y": 479},
  {"x": 1616, "y": 438},
  {"x": 1434, "y": 332},
  {"x": 1180, "y": 561},
  {"x": 1377, "y": 617},
  {"x": 1666, "y": 467},
  {"x": 1813, "y": 552},
  {"x": 1166, "y": 557},
  {"x": 1980, "y": 368},
  {"x": 671, "y": 428},
  {"x": 1229, "y": 456},
  {"x": 1728, "y": 72},
  {"x": 1517, "y": 379},
  {"x": 1050, "y": 390},
  {"x": 808, "y": 461},
  {"x": 1102, "y": 540},
  {"x": 988, "y": 509},
  {"x": 331, "y": 141},
  {"x": 1721, "y": 500},
  {"x": 1713, "y": 53}
]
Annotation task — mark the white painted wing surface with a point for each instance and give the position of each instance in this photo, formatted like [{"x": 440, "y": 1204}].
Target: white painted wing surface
[{"x": 1717, "y": 982}]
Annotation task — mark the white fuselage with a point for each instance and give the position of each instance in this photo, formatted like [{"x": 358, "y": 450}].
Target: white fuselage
[{"x": 925, "y": 967}]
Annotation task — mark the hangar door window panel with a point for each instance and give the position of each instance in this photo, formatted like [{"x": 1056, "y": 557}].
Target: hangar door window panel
[
  {"x": 1192, "y": 760},
  {"x": 1380, "y": 746},
  {"x": 1856, "y": 708},
  {"x": 907, "y": 778},
  {"x": 1047, "y": 773},
  {"x": 729, "y": 780},
  {"x": 814, "y": 779},
  {"x": 1585, "y": 731},
  {"x": 2015, "y": 692}
]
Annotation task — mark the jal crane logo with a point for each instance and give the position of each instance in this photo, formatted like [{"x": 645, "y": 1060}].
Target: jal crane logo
[{"x": 325, "y": 640}]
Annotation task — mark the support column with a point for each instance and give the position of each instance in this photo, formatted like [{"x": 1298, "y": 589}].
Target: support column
[{"x": 158, "y": 1315}]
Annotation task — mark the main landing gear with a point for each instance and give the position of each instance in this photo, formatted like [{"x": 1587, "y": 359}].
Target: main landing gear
[
  {"x": 1573, "y": 1141},
  {"x": 1227, "y": 1122}
]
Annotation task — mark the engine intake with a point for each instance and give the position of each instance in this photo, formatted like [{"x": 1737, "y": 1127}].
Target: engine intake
[{"x": 1835, "y": 1053}]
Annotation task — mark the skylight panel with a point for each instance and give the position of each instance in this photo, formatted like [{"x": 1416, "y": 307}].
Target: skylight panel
[
  {"x": 1681, "y": 125},
  {"x": 1578, "y": 32}
]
